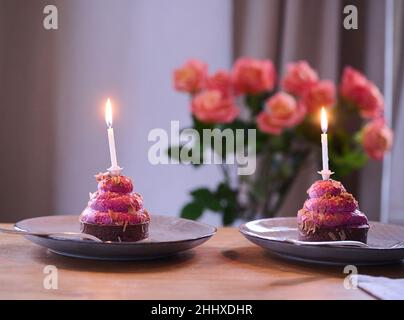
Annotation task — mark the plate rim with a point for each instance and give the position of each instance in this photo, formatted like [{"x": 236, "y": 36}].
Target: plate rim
[
  {"x": 333, "y": 263},
  {"x": 123, "y": 243},
  {"x": 108, "y": 258},
  {"x": 242, "y": 229}
]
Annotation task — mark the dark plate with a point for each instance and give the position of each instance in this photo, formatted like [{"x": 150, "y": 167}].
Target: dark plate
[
  {"x": 168, "y": 235},
  {"x": 380, "y": 238}
]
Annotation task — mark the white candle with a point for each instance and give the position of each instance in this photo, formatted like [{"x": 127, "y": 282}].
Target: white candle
[
  {"x": 325, "y": 173},
  {"x": 324, "y": 145},
  {"x": 112, "y": 150},
  {"x": 115, "y": 169}
]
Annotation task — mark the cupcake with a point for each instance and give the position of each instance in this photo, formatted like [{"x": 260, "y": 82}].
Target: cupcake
[
  {"x": 331, "y": 214},
  {"x": 115, "y": 212}
]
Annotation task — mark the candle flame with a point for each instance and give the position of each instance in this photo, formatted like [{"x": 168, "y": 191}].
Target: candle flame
[
  {"x": 108, "y": 113},
  {"x": 324, "y": 120}
]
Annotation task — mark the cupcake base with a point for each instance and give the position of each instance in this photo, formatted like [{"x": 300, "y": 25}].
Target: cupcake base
[
  {"x": 354, "y": 233},
  {"x": 128, "y": 233}
]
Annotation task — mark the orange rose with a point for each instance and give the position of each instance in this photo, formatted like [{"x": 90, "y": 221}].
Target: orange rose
[
  {"x": 299, "y": 77},
  {"x": 191, "y": 76},
  {"x": 221, "y": 81},
  {"x": 377, "y": 139},
  {"x": 252, "y": 76},
  {"x": 356, "y": 88},
  {"x": 212, "y": 106},
  {"x": 322, "y": 94},
  {"x": 281, "y": 111}
]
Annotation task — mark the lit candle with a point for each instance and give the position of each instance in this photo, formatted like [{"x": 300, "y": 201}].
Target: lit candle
[
  {"x": 325, "y": 173},
  {"x": 114, "y": 169}
]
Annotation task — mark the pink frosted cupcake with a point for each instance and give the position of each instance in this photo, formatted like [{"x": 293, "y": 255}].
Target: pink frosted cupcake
[
  {"x": 331, "y": 214},
  {"x": 114, "y": 212}
]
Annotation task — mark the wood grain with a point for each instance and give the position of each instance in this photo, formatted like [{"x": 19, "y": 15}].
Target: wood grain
[{"x": 225, "y": 267}]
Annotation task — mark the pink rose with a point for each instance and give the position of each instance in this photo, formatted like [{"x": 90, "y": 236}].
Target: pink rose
[
  {"x": 221, "y": 81},
  {"x": 252, "y": 76},
  {"x": 351, "y": 79},
  {"x": 281, "y": 111},
  {"x": 369, "y": 100},
  {"x": 362, "y": 92},
  {"x": 212, "y": 106},
  {"x": 377, "y": 138},
  {"x": 299, "y": 77},
  {"x": 321, "y": 94},
  {"x": 191, "y": 76}
]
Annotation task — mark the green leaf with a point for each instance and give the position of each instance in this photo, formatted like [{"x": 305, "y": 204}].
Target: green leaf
[
  {"x": 206, "y": 198},
  {"x": 255, "y": 102},
  {"x": 344, "y": 164},
  {"x": 200, "y": 193},
  {"x": 236, "y": 124},
  {"x": 192, "y": 210},
  {"x": 228, "y": 216},
  {"x": 228, "y": 202},
  {"x": 199, "y": 126},
  {"x": 223, "y": 190}
]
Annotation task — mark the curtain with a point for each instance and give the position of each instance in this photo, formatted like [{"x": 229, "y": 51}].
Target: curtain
[
  {"x": 27, "y": 92},
  {"x": 290, "y": 30},
  {"x": 396, "y": 204}
]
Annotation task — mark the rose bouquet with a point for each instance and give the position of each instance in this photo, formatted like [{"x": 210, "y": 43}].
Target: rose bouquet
[{"x": 285, "y": 115}]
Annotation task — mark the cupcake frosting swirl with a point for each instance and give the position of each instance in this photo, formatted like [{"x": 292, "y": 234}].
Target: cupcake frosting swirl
[
  {"x": 329, "y": 205},
  {"x": 114, "y": 203},
  {"x": 110, "y": 183}
]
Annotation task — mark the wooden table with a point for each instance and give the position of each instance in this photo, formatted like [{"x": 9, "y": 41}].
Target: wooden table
[{"x": 225, "y": 267}]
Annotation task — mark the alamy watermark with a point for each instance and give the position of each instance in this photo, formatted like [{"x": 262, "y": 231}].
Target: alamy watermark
[
  {"x": 51, "y": 280},
  {"x": 351, "y": 17},
  {"x": 50, "y": 21},
  {"x": 351, "y": 280},
  {"x": 213, "y": 146}
]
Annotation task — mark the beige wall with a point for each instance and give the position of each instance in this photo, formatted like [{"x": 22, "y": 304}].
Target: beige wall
[
  {"x": 27, "y": 89},
  {"x": 53, "y": 85}
]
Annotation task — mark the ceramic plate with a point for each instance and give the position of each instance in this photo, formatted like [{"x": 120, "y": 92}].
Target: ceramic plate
[
  {"x": 168, "y": 235},
  {"x": 380, "y": 238}
]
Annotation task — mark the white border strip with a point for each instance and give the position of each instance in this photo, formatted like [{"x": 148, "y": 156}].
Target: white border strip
[{"x": 388, "y": 103}]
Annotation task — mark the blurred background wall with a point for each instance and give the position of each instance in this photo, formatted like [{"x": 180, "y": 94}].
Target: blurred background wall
[
  {"x": 53, "y": 85},
  {"x": 53, "y": 90}
]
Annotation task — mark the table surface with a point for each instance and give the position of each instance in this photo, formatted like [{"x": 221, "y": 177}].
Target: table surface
[{"x": 226, "y": 267}]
